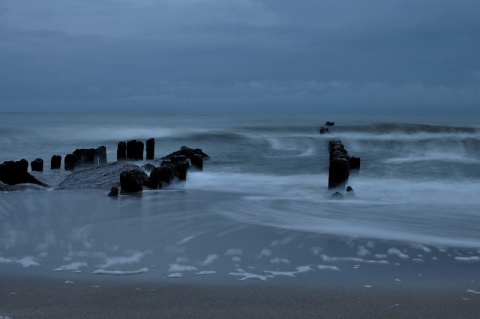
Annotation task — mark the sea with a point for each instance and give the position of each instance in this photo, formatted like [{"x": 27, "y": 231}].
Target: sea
[{"x": 260, "y": 209}]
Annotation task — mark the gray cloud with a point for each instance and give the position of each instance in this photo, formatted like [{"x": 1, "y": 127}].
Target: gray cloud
[{"x": 241, "y": 55}]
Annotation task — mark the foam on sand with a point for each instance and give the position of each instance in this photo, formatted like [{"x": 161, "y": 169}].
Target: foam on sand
[
  {"x": 75, "y": 266},
  {"x": 354, "y": 259},
  {"x": 209, "y": 260},
  {"x": 25, "y": 262},
  {"x": 133, "y": 258},
  {"x": 120, "y": 272},
  {"x": 180, "y": 268},
  {"x": 206, "y": 272}
]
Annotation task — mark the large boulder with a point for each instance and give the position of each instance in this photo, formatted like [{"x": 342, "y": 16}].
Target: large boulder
[
  {"x": 195, "y": 156},
  {"x": 188, "y": 153},
  {"x": 103, "y": 176},
  {"x": 132, "y": 181}
]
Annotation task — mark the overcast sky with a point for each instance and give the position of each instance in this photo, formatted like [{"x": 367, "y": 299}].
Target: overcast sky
[{"x": 306, "y": 56}]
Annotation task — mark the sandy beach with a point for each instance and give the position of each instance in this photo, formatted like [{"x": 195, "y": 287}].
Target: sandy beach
[{"x": 27, "y": 297}]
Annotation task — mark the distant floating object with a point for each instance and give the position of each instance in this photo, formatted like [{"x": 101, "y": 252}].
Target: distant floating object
[{"x": 324, "y": 127}]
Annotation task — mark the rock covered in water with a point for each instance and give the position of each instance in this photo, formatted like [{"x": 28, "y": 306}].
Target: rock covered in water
[
  {"x": 113, "y": 192},
  {"x": 5, "y": 187},
  {"x": 103, "y": 176},
  {"x": 132, "y": 181}
]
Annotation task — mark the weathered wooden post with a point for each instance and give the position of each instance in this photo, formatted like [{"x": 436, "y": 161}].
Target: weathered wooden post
[
  {"x": 121, "y": 151},
  {"x": 132, "y": 150},
  {"x": 69, "y": 164},
  {"x": 150, "y": 149},
  {"x": 100, "y": 155},
  {"x": 37, "y": 165},
  {"x": 339, "y": 168},
  {"x": 56, "y": 162}
]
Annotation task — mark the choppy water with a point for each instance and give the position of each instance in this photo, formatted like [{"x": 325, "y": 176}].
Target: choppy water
[{"x": 418, "y": 182}]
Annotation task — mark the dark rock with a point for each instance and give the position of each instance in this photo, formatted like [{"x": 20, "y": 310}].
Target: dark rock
[
  {"x": 181, "y": 170},
  {"x": 154, "y": 180},
  {"x": 113, "y": 192},
  {"x": 101, "y": 177},
  {"x": 166, "y": 172},
  {"x": 121, "y": 151},
  {"x": 337, "y": 195},
  {"x": 188, "y": 152},
  {"x": 178, "y": 158},
  {"x": 5, "y": 187},
  {"x": 350, "y": 193},
  {"x": 148, "y": 167},
  {"x": 37, "y": 165},
  {"x": 100, "y": 156},
  {"x": 56, "y": 162},
  {"x": 13, "y": 173},
  {"x": 132, "y": 181},
  {"x": 150, "y": 149},
  {"x": 197, "y": 161},
  {"x": 69, "y": 162},
  {"x": 324, "y": 130}
]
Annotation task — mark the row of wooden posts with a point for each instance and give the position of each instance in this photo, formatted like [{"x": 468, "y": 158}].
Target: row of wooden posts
[{"x": 131, "y": 150}]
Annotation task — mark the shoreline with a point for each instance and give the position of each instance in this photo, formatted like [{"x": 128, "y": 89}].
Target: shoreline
[{"x": 27, "y": 297}]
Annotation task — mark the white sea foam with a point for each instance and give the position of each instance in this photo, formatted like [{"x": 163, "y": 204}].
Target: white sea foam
[
  {"x": 71, "y": 267},
  {"x": 247, "y": 275},
  {"x": 324, "y": 267},
  {"x": 279, "y": 261},
  {"x": 281, "y": 273},
  {"x": 421, "y": 247},
  {"x": 363, "y": 251},
  {"x": 25, "y": 262},
  {"x": 83, "y": 254},
  {"x": 209, "y": 260},
  {"x": 133, "y": 258},
  {"x": 120, "y": 272},
  {"x": 265, "y": 253},
  {"x": 176, "y": 275},
  {"x": 473, "y": 291},
  {"x": 181, "y": 268},
  {"x": 186, "y": 239},
  {"x": 234, "y": 252},
  {"x": 281, "y": 242},
  {"x": 206, "y": 272},
  {"x": 468, "y": 259},
  {"x": 353, "y": 259},
  {"x": 397, "y": 252}
]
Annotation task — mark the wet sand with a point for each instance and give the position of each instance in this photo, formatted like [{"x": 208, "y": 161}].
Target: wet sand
[{"x": 30, "y": 297}]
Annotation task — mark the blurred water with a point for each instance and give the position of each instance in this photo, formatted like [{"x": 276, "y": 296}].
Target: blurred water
[{"x": 419, "y": 181}]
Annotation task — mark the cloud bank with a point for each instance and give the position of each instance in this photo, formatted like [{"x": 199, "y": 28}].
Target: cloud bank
[{"x": 365, "y": 57}]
